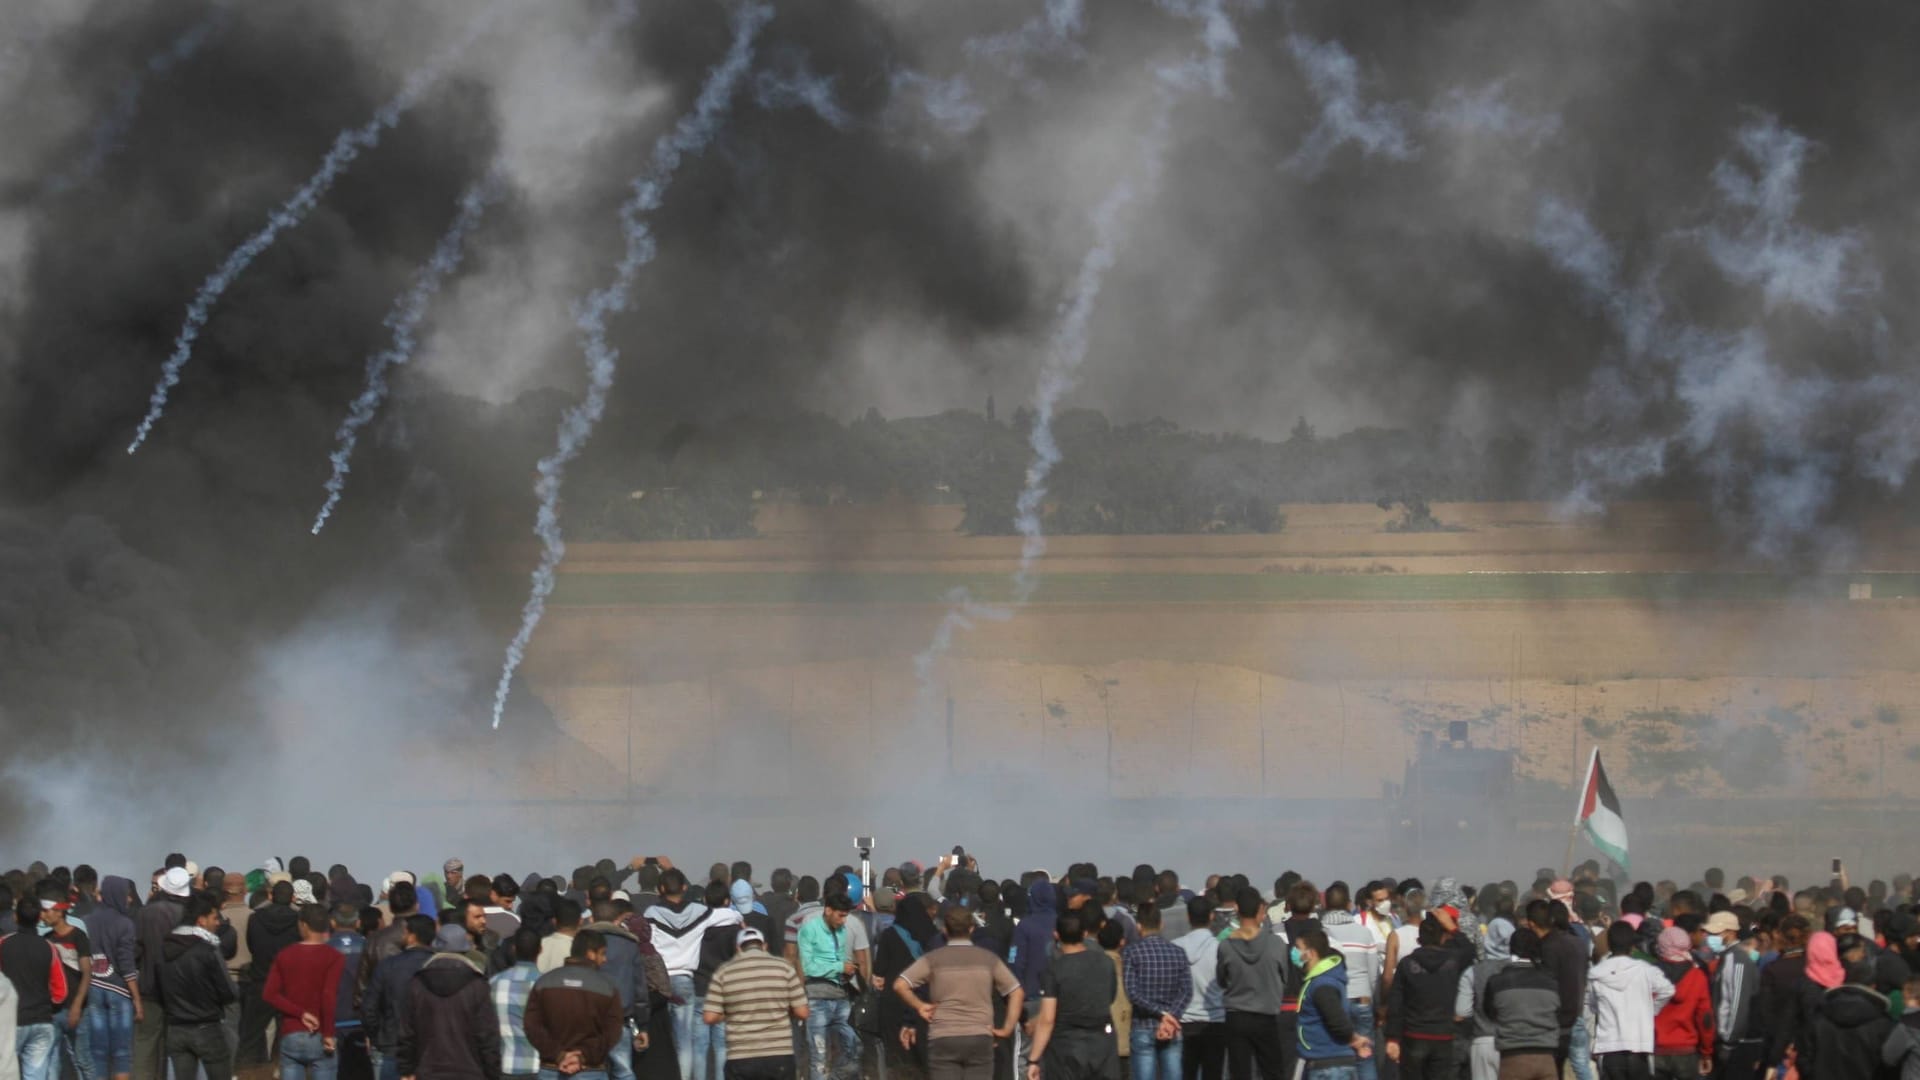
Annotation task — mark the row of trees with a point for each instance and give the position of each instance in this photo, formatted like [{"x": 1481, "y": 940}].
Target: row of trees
[{"x": 1145, "y": 477}]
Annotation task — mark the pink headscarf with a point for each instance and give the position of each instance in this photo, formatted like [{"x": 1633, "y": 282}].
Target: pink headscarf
[
  {"x": 1673, "y": 944},
  {"x": 1823, "y": 960},
  {"x": 1633, "y": 919}
]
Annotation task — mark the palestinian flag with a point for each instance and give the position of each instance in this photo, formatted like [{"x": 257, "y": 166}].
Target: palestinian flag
[{"x": 1600, "y": 814}]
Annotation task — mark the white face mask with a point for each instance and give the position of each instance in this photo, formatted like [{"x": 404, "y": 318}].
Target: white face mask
[{"x": 1384, "y": 907}]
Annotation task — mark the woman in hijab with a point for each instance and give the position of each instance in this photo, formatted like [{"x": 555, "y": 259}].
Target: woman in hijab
[
  {"x": 911, "y": 935},
  {"x": 658, "y": 1061}
]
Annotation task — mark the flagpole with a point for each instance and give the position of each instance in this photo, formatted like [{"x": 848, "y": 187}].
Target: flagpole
[{"x": 1579, "y": 807}]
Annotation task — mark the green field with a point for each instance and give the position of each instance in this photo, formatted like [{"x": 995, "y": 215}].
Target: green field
[{"x": 613, "y": 590}]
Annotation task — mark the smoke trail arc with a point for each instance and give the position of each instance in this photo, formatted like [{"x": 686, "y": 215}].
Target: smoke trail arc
[
  {"x": 111, "y": 132},
  {"x": 690, "y": 135},
  {"x": 346, "y": 147},
  {"x": 409, "y": 310}
]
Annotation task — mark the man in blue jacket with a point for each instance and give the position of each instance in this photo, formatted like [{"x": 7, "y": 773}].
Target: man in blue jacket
[{"x": 1330, "y": 1048}]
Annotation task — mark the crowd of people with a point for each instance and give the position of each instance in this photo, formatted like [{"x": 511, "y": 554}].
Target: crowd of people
[{"x": 618, "y": 972}]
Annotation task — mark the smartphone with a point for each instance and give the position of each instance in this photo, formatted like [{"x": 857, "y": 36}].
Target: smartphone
[
  {"x": 653, "y": 860},
  {"x": 864, "y": 843},
  {"x": 1836, "y": 866}
]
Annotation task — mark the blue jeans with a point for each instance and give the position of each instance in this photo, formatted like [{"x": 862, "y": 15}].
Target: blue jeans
[
  {"x": 1151, "y": 1058},
  {"x": 708, "y": 1037},
  {"x": 304, "y": 1057},
  {"x": 1580, "y": 1050},
  {"x": 74, "y": 1044},
  {"x": 829, "y": 1023},
  {"x": 385, "y": 1066},
  {"x": 1361, "y": 1013},
  {"x": 1334, "y": 1072},
  {"x": 110, "y": 1033},
  {"x": 620, "y": 1058},
  {"x": 34, "y": 1044},
  {"x": 685, "y": 1019}
]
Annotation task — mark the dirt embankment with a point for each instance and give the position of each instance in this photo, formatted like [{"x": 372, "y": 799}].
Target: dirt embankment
[{"x": 1311, "y": 698}]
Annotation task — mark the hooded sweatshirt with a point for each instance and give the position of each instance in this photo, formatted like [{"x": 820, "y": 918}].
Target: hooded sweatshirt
[
  {"x": 1207, "y": 1003},
  {"x": 1033, "y": 939},
  {"x": 1420, "y": 1001},
  {"x": 1361, "y": 948},
  {"x": 448, "y": 1029},
  {"x": 115, "y": 939},
  {"x": 1685, "y": 1024},
  {"x": 680, "y": 926},
  {"x": 1252, "y": 973},
  {"x": 1523, "y": 1003},
  {"x": 1623, "y": 997},
  {"x": 271, "y": 929},
  {"x": 1847, "y": 1035},
  {"x": 1471, "y": 998},
  {"x": 1324, "y": 1029}
]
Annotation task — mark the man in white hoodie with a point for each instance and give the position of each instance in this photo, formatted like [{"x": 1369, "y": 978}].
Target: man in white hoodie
[
  {"x": 1203, "y": 1026},
  {"x": 680, "y": 923},
  {"x": 1624, "y": 995}
]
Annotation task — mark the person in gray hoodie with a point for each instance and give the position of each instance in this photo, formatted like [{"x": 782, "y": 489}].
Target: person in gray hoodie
[
  {"x": 115, "y": 999},
  {"x": 1483, "y": 1059},
  {"x": 1203, "y": 1024},
  {"x": 1252, "y": 972},
  {"x": 1522, "y": 1000}
]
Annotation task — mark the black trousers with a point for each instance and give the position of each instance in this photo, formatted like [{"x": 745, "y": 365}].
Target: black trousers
[
  {"x": 965, "y": 1057},
  {"x": 254, "y": 1017},
  {"x": 1254, "y": 1038},
  {"x": 1625, "y": 1066},
  {"x": 1075, "y": 1054},
  {"x": 1740, "y": 1061},
  {"x": 1203, "y": 1054},
  {"x": 195, "y": 1046},
  {"x": 774, "y": 1067},
  {"x": 1426, "y": 1059},
  {"x": 1289, "y": 1042}
]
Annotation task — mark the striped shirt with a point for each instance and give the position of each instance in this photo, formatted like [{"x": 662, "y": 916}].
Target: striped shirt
[
  {"x": 755, "y": 993},
  {"x": 510, "y": 989}
]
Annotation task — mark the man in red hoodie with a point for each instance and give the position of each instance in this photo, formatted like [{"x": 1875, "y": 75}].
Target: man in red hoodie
[
  {"x": 302, "y": 986},
  {"x": 1683, "y": 1030}
]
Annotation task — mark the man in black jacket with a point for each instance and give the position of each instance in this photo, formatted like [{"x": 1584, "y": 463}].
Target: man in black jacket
[
  {"x": 1420, "y": 1025},
  {"x": 386, "y": 998},
  {"x": 1847, "y": 1030},
  {"x": 270, "y": 929},
  {"x": 196, "y": 991},
  {"x": 448, "y": 1029},
  {"x": 1567, "y": 960},
  {"x": 152, "y": 925}
]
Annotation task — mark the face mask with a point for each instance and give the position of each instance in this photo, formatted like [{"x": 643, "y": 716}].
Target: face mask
[
  {"x": 1753, "y": 955},
  {"x": 1293, "y": 954},
  {"x": 1383, "y": 908},
  {"x": 1717, "y": 945}
]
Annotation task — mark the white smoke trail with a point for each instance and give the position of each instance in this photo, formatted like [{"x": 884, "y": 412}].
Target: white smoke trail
[
  {"x": 345, "y": 149},
  {"x": 689, "y": 136},
  {"x": 1067, "y": 348},
  {"x": 404, "y": 321},
  {"x": 1054, "y": 30},
  {"x": 111, "y": 132},
  {"x": 800, "y": 88},
  {"x": 1334, "y": 79}
]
